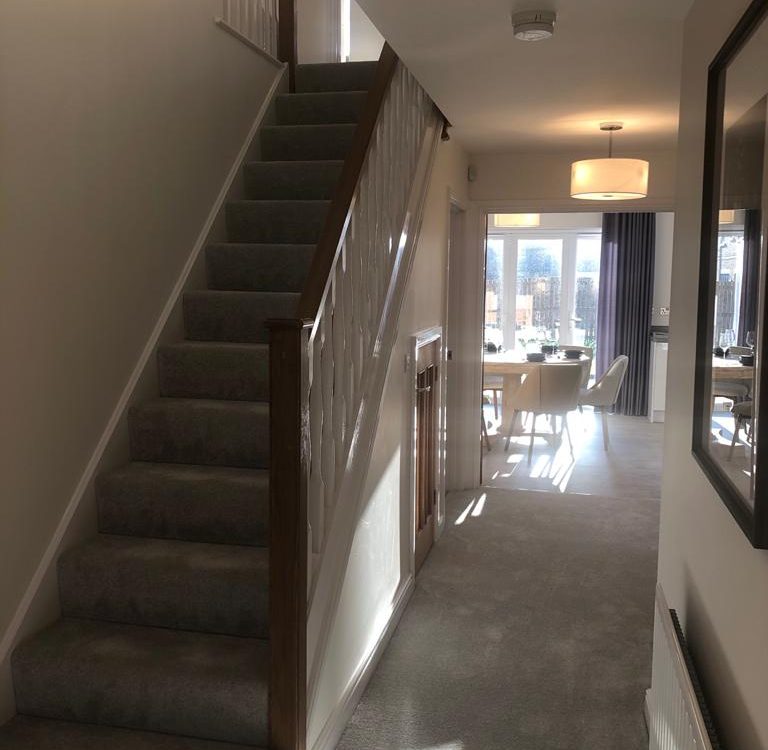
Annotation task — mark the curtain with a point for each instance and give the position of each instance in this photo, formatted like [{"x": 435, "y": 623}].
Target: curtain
[
  {"x": 749, "y": 277},
  {"x": 625, "y": 302}
]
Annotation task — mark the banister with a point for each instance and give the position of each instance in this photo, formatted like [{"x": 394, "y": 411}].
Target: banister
[
  {"x": 288, "y": 380},
  {"x": 287, "y": 47},
  {"x": 329, "y": 243}
]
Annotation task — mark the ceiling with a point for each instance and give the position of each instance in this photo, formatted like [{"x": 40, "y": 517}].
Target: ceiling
[{"x": 608, "y": 60}]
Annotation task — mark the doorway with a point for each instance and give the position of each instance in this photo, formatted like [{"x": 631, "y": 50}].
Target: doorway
[{"x": 426, "y": 440}]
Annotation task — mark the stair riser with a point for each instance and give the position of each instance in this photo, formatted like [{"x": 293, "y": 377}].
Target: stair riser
[
  {"x": 197, "y": 508},
  {"x": 28, "y": 733},
  {"x": 258, "y": 268},
  {"x": 227, "y": 374},
  {"x": 169, "y": 685},
  {"x": 315, "y": 109},
  {"x": 233, "y": 316},
  {"x": 356, "y": 76},
  {"x": 293, "y": 143},
  {"x": 278, "y": 222},
  {"x": 223, "y": 590},
  {"x": 206, "y": 436},
  {"x": 292, "y": 180}
]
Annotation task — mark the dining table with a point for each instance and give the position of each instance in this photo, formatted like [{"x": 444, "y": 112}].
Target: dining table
[
  {"x": 731, "y": 369},
  {"x": 513, "y": 366}
]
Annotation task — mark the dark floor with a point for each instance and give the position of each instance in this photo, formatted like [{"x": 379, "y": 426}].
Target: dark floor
[{"x": 530, "y": 629}]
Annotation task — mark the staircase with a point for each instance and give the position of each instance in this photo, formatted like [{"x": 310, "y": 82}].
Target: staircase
[{"x": 163, "y": 641}]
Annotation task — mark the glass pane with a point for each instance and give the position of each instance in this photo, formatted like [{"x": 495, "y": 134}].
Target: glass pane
[
  {"x": 494, "y": 280},
  {"x": 588, "y": 249},
  {"x": 539, "y": 264}
]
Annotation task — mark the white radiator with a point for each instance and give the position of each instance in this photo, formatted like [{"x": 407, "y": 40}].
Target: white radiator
[{"x": 677, "y": 716}]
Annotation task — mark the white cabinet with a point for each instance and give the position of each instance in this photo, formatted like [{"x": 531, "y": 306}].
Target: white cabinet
[{"x": 658, "y": 381}]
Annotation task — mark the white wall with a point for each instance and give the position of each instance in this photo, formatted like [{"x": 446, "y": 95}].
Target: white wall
[
  {"x": 379, "y": 560},
  {"x": 365, "y": 40},
  {"x": 708, "y": 569},
  {"x": 541, "y": 182},
  {"x": 318, "y": 30},
  {"x": 119, "y": 124}
]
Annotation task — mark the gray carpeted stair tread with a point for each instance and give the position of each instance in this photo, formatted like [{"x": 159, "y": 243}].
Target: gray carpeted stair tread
[
  {"x": 31, "y": 733},
  {"x": 306, "y": 142},
  {"x": 214, "y": 370},
  {"x": 292, "y": 180},
  {"x": 320, "y": 107},
  {"x": 212, "y": 588},
  {"x": 243, "y": 266},
  {"x": 352, "y": 76},
  {"x": 291, "y": 222},
  {"x": 216, "y": 315},
  {"x": 175, "y": 501},
  {"x": 153, "y": 679},
  {"x": 201, "y": 431}
]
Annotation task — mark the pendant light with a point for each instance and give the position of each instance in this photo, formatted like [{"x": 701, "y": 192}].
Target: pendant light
[{"x": 609, "y": 179}]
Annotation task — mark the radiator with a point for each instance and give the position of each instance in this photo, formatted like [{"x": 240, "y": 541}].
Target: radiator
[{"x": 678, "y": 718}]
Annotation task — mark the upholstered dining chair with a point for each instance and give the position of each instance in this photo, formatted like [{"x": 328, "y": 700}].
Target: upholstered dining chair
[
  {"x": 742, "y": 415},
  {"x": 605, "y": 392},
  {"x": 494, "y": 384},
  {"x": 588, "y": 352},
  {"x": 551, "y": 389}
]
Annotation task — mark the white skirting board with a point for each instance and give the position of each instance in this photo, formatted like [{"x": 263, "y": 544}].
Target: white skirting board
[
  {"x": 39, "y": 602},
  {"x": 339, "y": 718}
]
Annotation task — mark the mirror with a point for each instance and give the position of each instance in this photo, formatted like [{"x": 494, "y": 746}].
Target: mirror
[{"x": 731, "y": 397}]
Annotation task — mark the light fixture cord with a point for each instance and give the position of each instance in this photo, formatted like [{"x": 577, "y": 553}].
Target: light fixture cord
[{"x": 610, "y": 144}]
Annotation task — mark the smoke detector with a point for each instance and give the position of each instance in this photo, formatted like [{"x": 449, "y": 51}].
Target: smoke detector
[{"x": 533, "y": 25}]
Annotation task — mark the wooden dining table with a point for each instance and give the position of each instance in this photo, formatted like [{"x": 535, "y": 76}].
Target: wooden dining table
[
  {"x": 512, "y": 366},
  {"x": 731, "y": 369}
]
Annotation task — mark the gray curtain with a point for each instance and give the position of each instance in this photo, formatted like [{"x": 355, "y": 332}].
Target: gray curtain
[
  {"x": 625, "y": 303},
  {"x": 750, "y": 275}
]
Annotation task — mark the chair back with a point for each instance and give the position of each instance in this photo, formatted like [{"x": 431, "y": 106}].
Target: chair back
[
  {"x": 560, "y": 386},
  {"x": 588, "y": 352},
  {"x": 528, "y": 396},
  {"x": 606, "y": 390}
]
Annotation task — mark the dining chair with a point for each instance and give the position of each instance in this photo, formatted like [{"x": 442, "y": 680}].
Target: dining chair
[
  {"x": 742, "y": 414},
  {"x": 605, "y": 392},
  {"x": 494, "y": 384},
  {"x": 588, "y": 352},
  {"x": 551, "y": 389}
]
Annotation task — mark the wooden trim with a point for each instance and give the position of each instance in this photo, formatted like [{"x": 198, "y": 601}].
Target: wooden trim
[
  {"x": 288, "y": 562},
  {"x": 329, "y": 244},
  {"x": 287, "y": 37}
]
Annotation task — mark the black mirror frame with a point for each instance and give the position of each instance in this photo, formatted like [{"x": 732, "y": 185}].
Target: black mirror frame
[{"x": 753, "y": 519}]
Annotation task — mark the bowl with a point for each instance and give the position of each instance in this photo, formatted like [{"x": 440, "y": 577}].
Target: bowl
[
  {"x": 535, "y": 357},
  {"x": 572, "y": 353},
  {"x": 748, "y": 360}
]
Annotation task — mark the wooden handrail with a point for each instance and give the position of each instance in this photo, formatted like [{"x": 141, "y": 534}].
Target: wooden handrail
[
  {"x": 287, "y": 47},
  {"x": 329, "y": 243}
]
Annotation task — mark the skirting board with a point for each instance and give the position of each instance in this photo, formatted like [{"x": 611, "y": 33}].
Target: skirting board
[
  {"x": 53, "y": 550},
  {"x": 334, "y": 727}
]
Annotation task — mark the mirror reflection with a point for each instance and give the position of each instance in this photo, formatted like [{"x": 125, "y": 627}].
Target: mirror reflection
[{"x": 732, "y": 427}]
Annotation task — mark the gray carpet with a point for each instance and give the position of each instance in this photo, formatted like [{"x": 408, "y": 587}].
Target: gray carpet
[{"x": 530, "y": 628}]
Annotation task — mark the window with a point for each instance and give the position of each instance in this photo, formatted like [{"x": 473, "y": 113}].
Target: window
[
  {"x": 541, "y": 288},
  {"x": 730, "y": 262}
]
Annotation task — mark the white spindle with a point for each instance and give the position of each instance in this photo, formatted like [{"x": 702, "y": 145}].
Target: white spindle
[
  {"x": 256, "y": 20},
  {"x": 342, "y": 341}
]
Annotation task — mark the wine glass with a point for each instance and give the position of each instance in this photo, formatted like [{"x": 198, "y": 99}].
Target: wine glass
[{"x": 750, "y": 339}]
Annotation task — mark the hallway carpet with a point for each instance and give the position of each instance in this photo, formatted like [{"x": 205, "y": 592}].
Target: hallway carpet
[{"x": 530, "y": 629}]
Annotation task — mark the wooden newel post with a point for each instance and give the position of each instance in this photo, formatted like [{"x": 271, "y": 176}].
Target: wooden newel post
[{"x": 288, "y": 563}]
